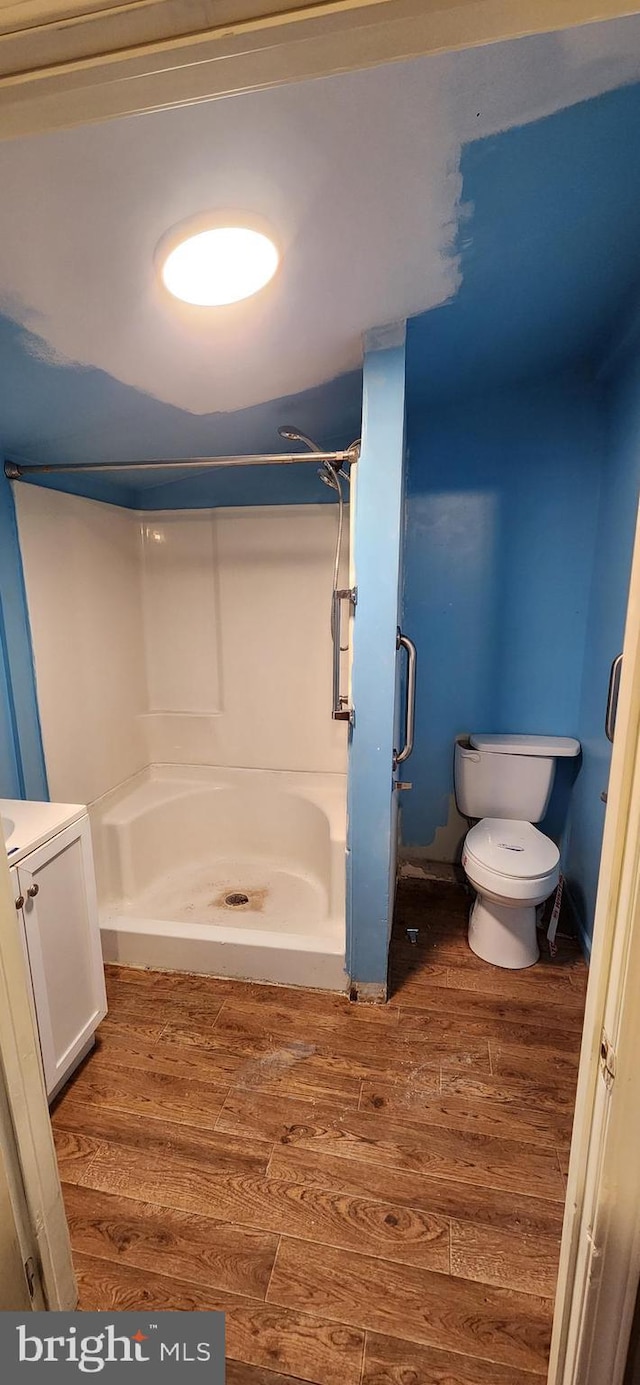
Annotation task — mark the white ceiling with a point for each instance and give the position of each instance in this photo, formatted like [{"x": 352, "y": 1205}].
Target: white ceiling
[{"x": 357, "y": 174}]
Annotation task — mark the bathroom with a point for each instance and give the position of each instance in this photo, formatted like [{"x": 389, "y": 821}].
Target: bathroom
[{"x": 175, "y": 660}]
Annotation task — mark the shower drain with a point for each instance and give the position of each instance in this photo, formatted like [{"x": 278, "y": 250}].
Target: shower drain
[{"x": 236, "y": 898}]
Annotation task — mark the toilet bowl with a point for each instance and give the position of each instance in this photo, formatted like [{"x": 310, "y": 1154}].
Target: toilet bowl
[
  {"x": 505, "y": 782},
  {"x": 513, "y": 868}
]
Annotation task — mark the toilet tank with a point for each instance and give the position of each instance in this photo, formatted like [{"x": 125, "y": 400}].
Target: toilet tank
[{"x": 508, "y": 776}]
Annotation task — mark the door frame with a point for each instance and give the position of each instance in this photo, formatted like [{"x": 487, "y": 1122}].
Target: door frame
[
  {"x": 18, "y": 1248},
  {"x": 600, "y": 1256},
  {"x": 68, "y": 62},
  {"x": 32, "y": 1157}
]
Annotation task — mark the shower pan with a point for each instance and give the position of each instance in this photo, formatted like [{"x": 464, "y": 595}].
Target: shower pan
[{"x": 231, "y": 872}]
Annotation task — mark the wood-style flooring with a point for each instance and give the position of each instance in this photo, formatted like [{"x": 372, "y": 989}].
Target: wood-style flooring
[{"x": 373, "y": 1195}]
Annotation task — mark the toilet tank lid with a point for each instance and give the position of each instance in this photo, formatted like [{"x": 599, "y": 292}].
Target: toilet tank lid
[{"x": 559, "y": 747}]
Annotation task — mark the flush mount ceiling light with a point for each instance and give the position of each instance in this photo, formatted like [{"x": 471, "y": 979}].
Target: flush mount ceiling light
[{"x": 217, "y": 260}]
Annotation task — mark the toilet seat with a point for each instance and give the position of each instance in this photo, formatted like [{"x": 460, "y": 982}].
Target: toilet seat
[
  {"x": 517, "y": 850},
  {"x": 511, "y": 860}
]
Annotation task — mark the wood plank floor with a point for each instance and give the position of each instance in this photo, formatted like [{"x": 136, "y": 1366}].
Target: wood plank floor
[{"x": 372, "y": 1195}]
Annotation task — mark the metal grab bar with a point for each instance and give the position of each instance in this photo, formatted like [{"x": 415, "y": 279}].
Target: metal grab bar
[
  {"x": 612, "y": 697},
  {"x": 340, "y": 709},
  {"x": 403, "y": 642}
]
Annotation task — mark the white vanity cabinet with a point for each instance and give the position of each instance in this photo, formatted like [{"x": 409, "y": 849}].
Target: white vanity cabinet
[{"x": 55, "y": 896}]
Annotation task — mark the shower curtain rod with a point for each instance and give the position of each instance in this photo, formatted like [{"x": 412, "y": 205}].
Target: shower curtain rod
[{"x": 15, "y": 471}]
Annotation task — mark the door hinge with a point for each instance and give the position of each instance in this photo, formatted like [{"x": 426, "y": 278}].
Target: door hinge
[
  {"x": 30, "y": 1274},
  {"x": 607, "y": 1060}
]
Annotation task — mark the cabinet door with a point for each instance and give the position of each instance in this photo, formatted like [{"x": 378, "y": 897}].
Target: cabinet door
[{"x": 63, "y": 942}]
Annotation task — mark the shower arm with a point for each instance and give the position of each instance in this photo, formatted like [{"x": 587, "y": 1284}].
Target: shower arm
[{"x": 16, "y": 471}]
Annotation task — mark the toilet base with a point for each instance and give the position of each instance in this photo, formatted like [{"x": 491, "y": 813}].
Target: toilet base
[{"x": 503, "y": 935}]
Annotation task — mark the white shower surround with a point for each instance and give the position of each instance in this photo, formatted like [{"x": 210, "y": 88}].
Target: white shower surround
[
  {"x": 183, "y": 665},
  {"x": 172, "y": 844}
]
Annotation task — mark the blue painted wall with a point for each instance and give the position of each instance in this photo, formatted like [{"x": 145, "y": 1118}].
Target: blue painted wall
[
  {"x": 510, "y": 434},
  {"x": 501, "y": 521},
  {"x": 372, "y": 805},
  {"x": 604, "y": 635},
  {"x": 10, "y": 783},
  {"x": 547, "y": 242},
  {"x": 22, "y": 771}
]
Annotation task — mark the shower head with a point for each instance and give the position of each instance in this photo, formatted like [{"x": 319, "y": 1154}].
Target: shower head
[
  {"x": 295, "y": 435},
  {"x": 327, "y": 474}
]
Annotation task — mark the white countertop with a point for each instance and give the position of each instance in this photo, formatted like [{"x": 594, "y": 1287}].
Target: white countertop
[{"x": 27, "y": 825}]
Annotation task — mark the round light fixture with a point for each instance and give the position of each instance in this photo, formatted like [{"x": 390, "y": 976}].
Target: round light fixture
[{"x": 213, "y": 262}]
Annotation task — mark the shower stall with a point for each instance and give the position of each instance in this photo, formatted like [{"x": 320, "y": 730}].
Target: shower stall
[
  {"x": 222, "y": 686},
  {"x": 193, "y": 683}
]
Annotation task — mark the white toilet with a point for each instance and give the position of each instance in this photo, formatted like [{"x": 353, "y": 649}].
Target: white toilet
[{"x": 506, "y": 782}]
